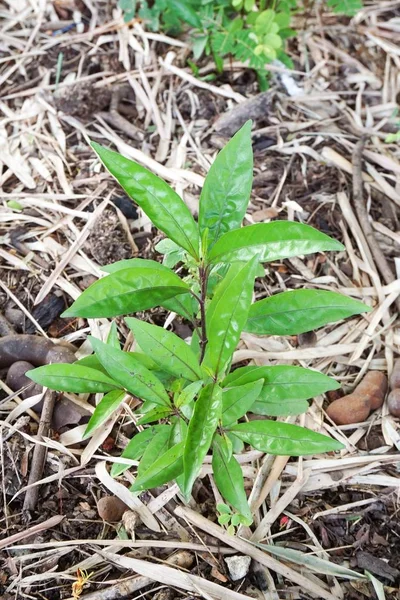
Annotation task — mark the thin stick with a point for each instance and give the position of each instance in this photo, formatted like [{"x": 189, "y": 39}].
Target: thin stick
[
  {"x": 362, "y": 213},
  {"x": 12, "y": 539},
  {"x": 39, "y": 454}
]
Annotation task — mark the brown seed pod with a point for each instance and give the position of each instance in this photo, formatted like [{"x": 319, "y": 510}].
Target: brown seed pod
[
  {"x": 32, "y": 348},
  {"x": 349, "y": 409},
  {"x": 395, "y": 376},
  {"x": 393, "y": 401},
  {"x": 375, "y": 386},
  {"x": 16, "y": 379},
  {"x": 111, "y": 508}
]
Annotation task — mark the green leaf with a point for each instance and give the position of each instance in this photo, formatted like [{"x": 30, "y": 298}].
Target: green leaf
[
  {"x": 157, "y": 446},
  {"x": 229, "y": 479},
  {"x": 91, "y": 361},
  {"x": 113, "y": 339},
  {"x": 105, "y": 408},
  {"x": 227, "y": 187},
  {"x": 158, "y": 200},
  {"x": 346, "y": 7},
  {"x": 238, "y": 400},
  {"x": 271, "y": 241},
  {"x": 283, "y": 438},
  {"x": 286, "y": 389},
  {"x": 298, "y": 311},
  {"x": 186, "y": 12},
  {"x": 72, "y": 378},
  {"x": 184, "y": 304},
  {"x": 135, "y": 263},
  {"x": 227, "y": 314},
  {"x": 167, "y": 349},
  {"x": 155, "y": 414},
  {"x": 179, "y": 431},
  {"x": 188, "y": 393},
  {"x": 130, "y": 373},
  {"x": 207, "y": 412},
  {"x": 166, "y": 468},
  {"x": 136, "y": 448},
  {"x": 127, "y": 291}
]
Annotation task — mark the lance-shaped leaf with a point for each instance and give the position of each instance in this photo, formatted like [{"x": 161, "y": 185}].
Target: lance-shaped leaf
[
  {"x": 105, "y": 408},
  {"x": 158, "y": 200},
  {"x": 229, "y": 478},
  {"x": 167, "y": 349},
  {"x": 158, "y": 446},
  {"x": 126, "y": 291},
  {"x": 285, "y": 390},
  {"x": 184, "y": 304},
  {"x": 130, "y": 373},
  {"x": 298, "y": 311},
  {"x": 285, "y": 439},
  {"x": 72, "y": 378},
  {"x": 165, "y": 468},
  {"x": 227, "y": 187},
  {"x": 238, "y": 400},
  {"x": 207, "y": 412},
  {"x": 155, "y": 414},
  {"x": 227, "y": 314},
  {"x": 136, "y": 448},
  {"x": 271, "y": 241}
]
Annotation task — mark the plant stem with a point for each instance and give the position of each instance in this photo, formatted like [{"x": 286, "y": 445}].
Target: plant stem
[{"x": 203, "y": 276}]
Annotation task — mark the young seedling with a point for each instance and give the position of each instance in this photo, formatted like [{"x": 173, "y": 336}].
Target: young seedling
[{"x": 193, "y": 403}]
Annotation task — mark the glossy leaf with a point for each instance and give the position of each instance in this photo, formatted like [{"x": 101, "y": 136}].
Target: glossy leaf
[
  {"x": 226, "y": 316},
  {"x": 184, "y": 304},
  {"x": 207, "y": 412},
  {"x": 227, "y": 187},
  {"x": 298, "y": 311},
  {"x": 112, "y": 338},
  {"x": 105, "y": 408},
  {"x": 229, "y": 479},
  {"x": 155, "y": 414},
  {"x": 130, "y": 373},
  {"x": 72, "y": 378},
  {"x": 136, "y": 448},
  {"x": 157, "y": 446},
  {"x": 179, "y": 431},
  {"x": 170, "y": 352},
  {"x": 271, "y": 241},
  {"x": 286, "y": 389},
  {"x": 93, "y": 362},
  {"x": 164, "y": 469},
  {"x": 238, "y": 400},
  {"x": 157, "y": 199},
  {"x": 126, "y": 291},
  {"x": 274, "y": 437},
  {"x": 188, "y": 393}
]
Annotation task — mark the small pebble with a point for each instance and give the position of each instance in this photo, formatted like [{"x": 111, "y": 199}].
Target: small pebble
[
  {"x": 238, "y": 566},
  {"x": 111, "y": 509}
]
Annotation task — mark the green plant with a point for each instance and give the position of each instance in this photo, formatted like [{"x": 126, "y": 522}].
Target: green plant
[
  {"x": 251, "y": 31},
  {"x": 393, "y": 138},
  {"x": 192, "y": 401}
]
